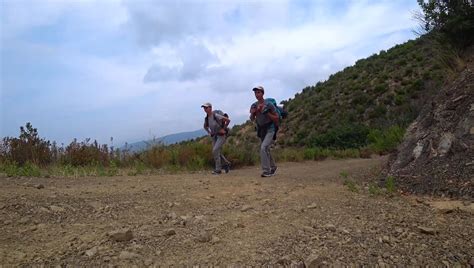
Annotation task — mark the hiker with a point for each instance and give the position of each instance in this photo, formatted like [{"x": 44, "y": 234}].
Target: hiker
[
  {"x": 215, "y": 124},
  {"x": 267, "y": 118}
]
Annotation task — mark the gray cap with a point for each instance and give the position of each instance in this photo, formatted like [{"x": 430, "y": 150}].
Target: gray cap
[
  {"x": 259, "y": 88},
  {"x": 207, "y": 104}
]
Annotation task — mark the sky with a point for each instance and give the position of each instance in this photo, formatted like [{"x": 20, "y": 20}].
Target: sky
[{"x": 139, "y": 69}]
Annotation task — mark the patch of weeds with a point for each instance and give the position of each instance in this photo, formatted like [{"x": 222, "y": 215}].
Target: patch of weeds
[
  {"x": 390, "y": 185},
  {"x": 351, "y": 185},
  {"x": 344, "y": 174},
  {"x": 374, "y": 190}
]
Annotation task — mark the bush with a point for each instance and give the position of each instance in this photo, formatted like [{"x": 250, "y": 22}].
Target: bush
[
  {"x": 383, "y": 141},
  {"x": 342, "y": 137},
  {"x": 27, "y": 148}
]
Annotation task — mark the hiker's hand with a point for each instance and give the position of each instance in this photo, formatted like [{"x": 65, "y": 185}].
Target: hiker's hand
[{"x": 260, "y": 107}]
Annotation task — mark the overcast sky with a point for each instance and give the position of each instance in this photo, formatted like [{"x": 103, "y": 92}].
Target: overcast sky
[{"x": 139, "y": 69}]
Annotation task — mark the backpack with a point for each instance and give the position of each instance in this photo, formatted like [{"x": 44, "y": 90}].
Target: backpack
[
  {"x": 281, "y": 111},
  {"x": 221, "y": 123}
]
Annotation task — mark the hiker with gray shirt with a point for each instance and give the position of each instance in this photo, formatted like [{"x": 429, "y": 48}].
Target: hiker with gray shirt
[
  {"x": 267, "y": 118},
  {"x": 215, "y": 124}
]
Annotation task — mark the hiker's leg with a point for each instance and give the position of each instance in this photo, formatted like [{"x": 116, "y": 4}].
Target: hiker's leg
[
  {"x": 272, "y": 160},
  {"x": 216, "y": 151},
  {"x": 224, "y": 160},
  {"x": 265, "y": 152}
]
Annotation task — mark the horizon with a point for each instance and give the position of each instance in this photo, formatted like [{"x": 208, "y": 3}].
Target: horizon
[{"x": 91, "y": 69}]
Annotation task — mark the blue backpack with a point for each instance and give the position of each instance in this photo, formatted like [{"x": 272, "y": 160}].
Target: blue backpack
[{"x": 282, "y": 113}]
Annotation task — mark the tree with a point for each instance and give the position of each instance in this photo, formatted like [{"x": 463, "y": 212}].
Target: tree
[{"x": 453, "y": 19}]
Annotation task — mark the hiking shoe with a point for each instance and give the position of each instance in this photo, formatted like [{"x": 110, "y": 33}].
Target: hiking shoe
[
  {"x": 216, "y": 172},
  {"x": 273, "y": 171},
  {"x": 227, "y": 168},
  {"x": 266, "y": 174}
]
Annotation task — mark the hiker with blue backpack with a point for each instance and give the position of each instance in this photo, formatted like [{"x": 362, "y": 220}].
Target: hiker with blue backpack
[
  {"x": 216, "y": 125},
  {"x": 267, "y": 116}
]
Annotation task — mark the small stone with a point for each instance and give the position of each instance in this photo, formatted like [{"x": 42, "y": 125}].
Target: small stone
[
  {"x": 330, "y": 227},
  {"x": 246, "y": 208},
  {"x": 121, "y": 235},
  {"x": 39, "y": 186},
  {"x": 215, "y": 239},
  {"x": 24, "y": 220},
  {"x": 91, "y": 252},
  {"x": 56, "y": 208},
  {"x": 312, "y": 205},
  {"x": 125, "y": 255},
  {"x": 427, "y": 230},
  {"x": 204, "y": 237},
  {"x": 170, "y": 232}
]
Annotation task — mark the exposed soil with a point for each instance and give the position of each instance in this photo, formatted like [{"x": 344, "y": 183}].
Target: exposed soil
[{"x": 302, "y": 216}]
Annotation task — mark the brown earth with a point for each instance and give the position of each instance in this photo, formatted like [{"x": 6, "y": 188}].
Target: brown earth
[{"x": 302, "y": 216}]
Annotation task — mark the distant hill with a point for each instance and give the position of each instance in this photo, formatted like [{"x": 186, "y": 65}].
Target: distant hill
[{"x": 165, "y": 140}]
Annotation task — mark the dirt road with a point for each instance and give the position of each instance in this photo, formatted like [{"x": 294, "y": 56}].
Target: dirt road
[{"x": 302, "y": 216}]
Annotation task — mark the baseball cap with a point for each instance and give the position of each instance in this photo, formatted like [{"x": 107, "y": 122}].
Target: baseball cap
[
  {"x": 207, "y": 104},
  {"x": 259, "y": 88}
]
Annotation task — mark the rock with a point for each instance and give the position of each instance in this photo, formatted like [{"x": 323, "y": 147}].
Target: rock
[
  {"x": 330, "y": 227},
  {"x": 91, "y": 252},
  {"x": 170, "y": 232},
  {"x": 121, "y": 235},
  {"x": 204, "y": 237},
  {"x": 285, "y": 260},
  {"x": 148, "y": 262},
  {"x": 126, "y": 255},
  {"x": 315, "y": 261},
  {"x": 215, "y": 239},
  {"x": 24, "y": 220},
  {"x": 56, "y": 208},
  {"x": 39, "y": 186},
  {"x": 427, "y": 230},
  {"x": 246, "y": 208},
  {"x": 445, "y": 143},
  {"x": 239, "y": 225},
  {"x": 312, "y": 205}
]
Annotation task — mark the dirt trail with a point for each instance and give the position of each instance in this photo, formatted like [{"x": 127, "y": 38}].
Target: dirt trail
[{"x": 302, "y": 216}]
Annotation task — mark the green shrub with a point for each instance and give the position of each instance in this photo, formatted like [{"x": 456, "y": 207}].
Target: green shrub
[
  {"x": 374, "y": 189},
  {"x": 28, "y": 169},
  {"x": 382, "y": 141},
  {"x": 342, "y": 137},
  {"x": 350, "y": 184},
  {"x": 390, "y": 184}
]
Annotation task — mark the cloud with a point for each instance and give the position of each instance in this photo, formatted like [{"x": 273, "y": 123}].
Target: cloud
[{"x": 121, "y": 68}]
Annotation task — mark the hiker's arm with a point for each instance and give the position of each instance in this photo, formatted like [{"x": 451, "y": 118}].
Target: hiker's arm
[
  {"x": 206, "y": 128},
  {"x": 253, "y": 113},
  {"x": 274, "y": 117},
  {"x": 226, "y": 121}
]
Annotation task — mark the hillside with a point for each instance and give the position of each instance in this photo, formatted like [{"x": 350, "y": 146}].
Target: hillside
[{"x": 386, "y": 89}]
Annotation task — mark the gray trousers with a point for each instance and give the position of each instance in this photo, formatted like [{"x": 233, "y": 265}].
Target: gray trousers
[
  {"x": 217, "y": 143},
  {"x": 266, "y": 158}
]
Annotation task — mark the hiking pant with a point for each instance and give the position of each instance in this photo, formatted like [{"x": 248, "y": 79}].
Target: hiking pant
[
  {"x": 266, "y": 158},
  {"x": 217, "y": 143}
]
